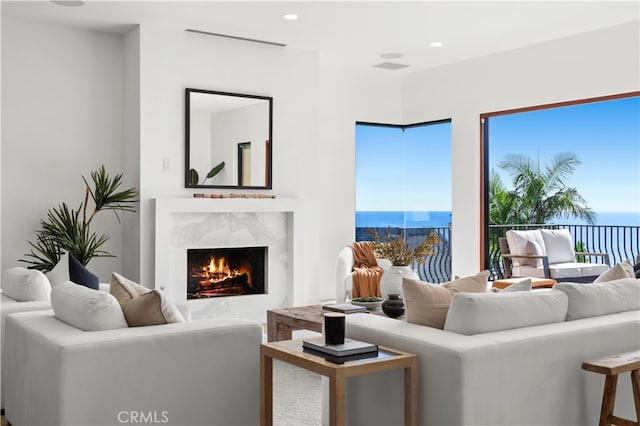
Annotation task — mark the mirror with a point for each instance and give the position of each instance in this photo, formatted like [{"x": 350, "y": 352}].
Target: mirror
[{"x": 228, "y": 140}]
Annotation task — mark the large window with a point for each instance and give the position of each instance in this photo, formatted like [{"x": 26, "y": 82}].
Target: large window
[
  {"x": 574, "y": 166},
  {"x": 403, "y": 184}
]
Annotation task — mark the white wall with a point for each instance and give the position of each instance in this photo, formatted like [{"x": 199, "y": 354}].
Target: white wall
[
  {"x": 62, "y": 98},
  {"x": 314, "y": 115},
  {"x": 589, "y": 65},
  {"x": 315, "y": 110}
]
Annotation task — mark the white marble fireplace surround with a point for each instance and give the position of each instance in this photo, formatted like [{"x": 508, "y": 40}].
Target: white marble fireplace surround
[{"x": 185, "y": 223}]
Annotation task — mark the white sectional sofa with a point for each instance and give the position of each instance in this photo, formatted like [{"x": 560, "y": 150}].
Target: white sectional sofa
[
  {"x": 204, "y": 372},
  {"x": 529, "y": 375}
]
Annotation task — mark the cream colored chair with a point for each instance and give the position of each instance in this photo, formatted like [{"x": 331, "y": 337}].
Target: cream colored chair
[
  {"x": 547, "y": 253},
  {"x": 344, "y": 274}
]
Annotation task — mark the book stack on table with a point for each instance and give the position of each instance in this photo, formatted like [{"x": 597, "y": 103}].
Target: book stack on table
[
  {"x": 350, "y": 350},
  {"x": 345, "y": 308}
]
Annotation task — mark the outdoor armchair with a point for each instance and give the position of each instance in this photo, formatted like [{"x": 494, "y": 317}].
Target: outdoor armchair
[{"x": 548, "y": 253}]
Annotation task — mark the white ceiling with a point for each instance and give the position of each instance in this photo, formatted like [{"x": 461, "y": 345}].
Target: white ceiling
[{"x": 356, "y": 33}]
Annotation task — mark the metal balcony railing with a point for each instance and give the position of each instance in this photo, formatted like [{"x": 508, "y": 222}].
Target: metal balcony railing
[
  {"x": 437, "y": 268},
  {"x": 620, "y": 242}
]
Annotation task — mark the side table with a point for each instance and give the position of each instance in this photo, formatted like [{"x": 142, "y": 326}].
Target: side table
[{"x": 291, "y": 351}]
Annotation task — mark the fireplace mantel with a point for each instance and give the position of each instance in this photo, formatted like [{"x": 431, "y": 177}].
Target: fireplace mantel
[{"x": 175, "y": 215}]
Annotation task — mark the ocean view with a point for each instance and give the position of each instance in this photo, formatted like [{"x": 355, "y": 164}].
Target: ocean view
[{"x": 437, "y": 219}]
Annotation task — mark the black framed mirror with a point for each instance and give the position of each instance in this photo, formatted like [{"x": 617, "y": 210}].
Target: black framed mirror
[{"x": 228, "y": 140}]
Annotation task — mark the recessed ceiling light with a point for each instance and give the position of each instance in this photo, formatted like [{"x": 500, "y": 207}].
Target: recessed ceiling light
[
  {"x": 71, "y": 3},
  {"x": 290, "y": 16},
  {"x": 392, "y": 55},
  {"x": 436, "y": 44}
]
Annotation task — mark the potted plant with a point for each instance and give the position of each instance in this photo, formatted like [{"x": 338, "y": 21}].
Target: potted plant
[
  {"x": 68, "y": 229},
  {"x": 402, "y": 256}
]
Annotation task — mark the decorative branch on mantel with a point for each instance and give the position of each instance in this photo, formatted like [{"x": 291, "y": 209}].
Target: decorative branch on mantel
[{"x": 202, "y": 195}]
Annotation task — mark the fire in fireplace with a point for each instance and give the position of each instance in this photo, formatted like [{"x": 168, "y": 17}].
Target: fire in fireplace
[{"x": 232, "y": 271}]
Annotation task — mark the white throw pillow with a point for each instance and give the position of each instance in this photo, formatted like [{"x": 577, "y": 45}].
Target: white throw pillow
[
  {"x": 475, "y": 313},
  {"x": 60, "y": 273},
  {"x": 427, "y": 304},
  {"x": 619, "y": 271},
  {"x": 592, "y": 300},
  {"x": 26, "y": 285},
  {"x": 559, "y": 245},
  {"x": 522, "y": 285},
  {"x": 85, "y": 308}
]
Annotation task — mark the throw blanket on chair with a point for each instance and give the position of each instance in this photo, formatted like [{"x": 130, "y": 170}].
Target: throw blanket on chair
[{"x": 366, "y": 272}]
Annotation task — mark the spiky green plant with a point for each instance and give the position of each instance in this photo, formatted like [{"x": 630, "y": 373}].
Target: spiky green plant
[{"x": 68, "y": 229}]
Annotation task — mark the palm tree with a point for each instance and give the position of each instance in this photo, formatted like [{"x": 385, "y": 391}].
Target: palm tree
[{"x": 538, "y": 195}]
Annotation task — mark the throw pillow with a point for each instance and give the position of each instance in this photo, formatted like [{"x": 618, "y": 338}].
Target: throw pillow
[
  {"x": 142, "y": 306},
  {"x": 534, "y": 249},
  {"x": 85, "y": 308},
  {"x": 559, "y": 245},
  {"x": 69, "y": 268},
  {"x": 26, "y": 285},
  {"x": 609, "y": 297},
  {"x": 60, "y": 273},
  {"x": 151, "y": 308},
  {"x": 125, "y": 290},
  {"x": 428, "y": 304},
  {"x": 475, "y": 313},
  {"x": 518, "y": 240},
  {"x": 522, "y": 285},
  {"x": 619, "y": 270},
  {"x": 79, "y": 274}
]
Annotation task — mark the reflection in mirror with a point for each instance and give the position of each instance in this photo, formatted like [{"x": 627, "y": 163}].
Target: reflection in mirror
[{"x": 228, "y": 140}]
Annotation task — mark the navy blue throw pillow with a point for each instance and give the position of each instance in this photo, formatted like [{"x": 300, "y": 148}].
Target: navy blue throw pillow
[{"x": 81, "y": 275}]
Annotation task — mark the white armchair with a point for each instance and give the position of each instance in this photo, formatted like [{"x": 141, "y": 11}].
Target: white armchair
[
  {"x": 344, "y": 273},
  {"x": 547, "y": 253},
  {"x": 191, "y": 373}
]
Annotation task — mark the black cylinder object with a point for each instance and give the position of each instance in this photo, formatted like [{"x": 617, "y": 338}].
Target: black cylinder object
[{"x": 334, "y": 328}]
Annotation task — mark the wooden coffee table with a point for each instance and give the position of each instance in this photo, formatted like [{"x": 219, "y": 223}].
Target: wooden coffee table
[
  {"x": 291, "y": 351},
  {"x": 282, "y": 322}
]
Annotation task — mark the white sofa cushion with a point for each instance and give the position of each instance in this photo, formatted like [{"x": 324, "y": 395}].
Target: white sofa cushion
[
  {"x": 85, "y": 308},
  {"x": 518, "y": 240},
  {"x": 620, "y": 270},
  {"x": 590, "y": 300},
  {"x": 427, "y": 304},
  {"x": 559, "y": 245},
  {"x": 26, "y": 285},
  {"x": 476, "y": 313}
]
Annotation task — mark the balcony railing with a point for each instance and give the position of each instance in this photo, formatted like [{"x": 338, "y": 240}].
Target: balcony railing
[
  {"x": 620, "y": 242},
  {"x": 437, "y": 268}
]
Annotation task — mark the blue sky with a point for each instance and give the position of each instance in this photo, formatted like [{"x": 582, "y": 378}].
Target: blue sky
[
  {"x": 604, "y": 135},
  {"x": 408, "y": 170},
  {"x": 411, "y": 170}
]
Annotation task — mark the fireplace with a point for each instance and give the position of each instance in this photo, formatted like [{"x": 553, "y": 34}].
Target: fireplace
[{"x": 231, "y": 271}]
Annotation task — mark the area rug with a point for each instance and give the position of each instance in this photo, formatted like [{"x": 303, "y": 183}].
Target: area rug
[
  {"x": 296, "y": 396},
  {"x": 296, "y": 392}
]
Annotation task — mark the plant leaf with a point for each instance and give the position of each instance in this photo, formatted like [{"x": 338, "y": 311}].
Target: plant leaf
[
  {"x": 217, "y": 169},
  {"x": 193, "y": 177}
]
